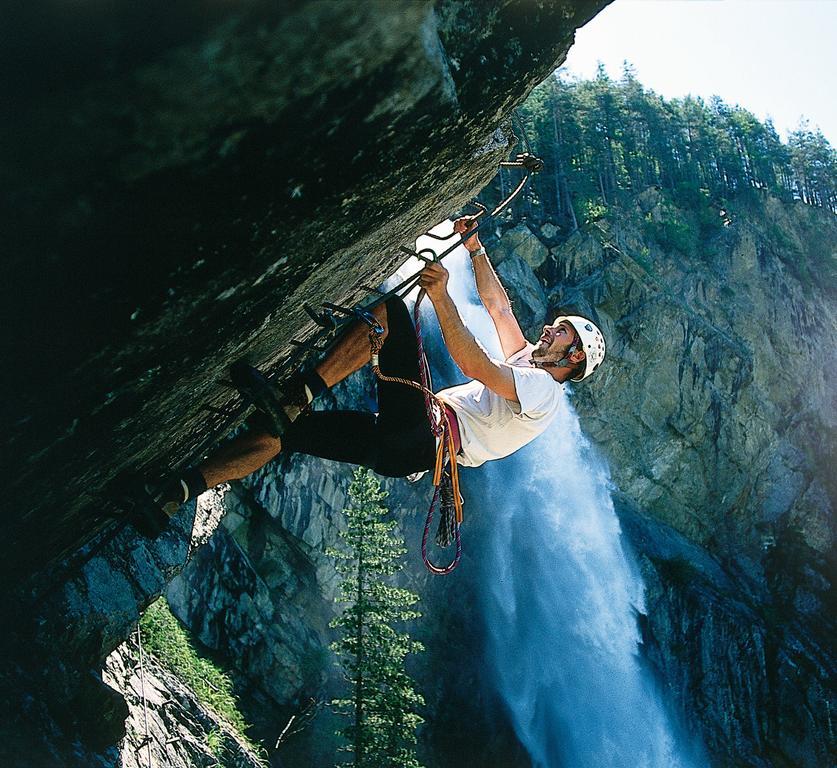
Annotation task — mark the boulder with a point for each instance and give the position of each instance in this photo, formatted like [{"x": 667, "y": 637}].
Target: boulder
[{"x": 520, "y": 241}]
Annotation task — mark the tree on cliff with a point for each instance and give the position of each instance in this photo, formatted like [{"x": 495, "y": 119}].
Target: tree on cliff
[
  {"x": 604, "y": 136},
  {"x": 381, "y": 732}
]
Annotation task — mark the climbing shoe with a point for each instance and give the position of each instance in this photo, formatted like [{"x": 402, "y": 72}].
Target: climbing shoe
[{"x": 257, "y": 391}]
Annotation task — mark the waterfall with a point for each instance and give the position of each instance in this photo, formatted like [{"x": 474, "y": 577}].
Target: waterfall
[{"x": 560, "y": 594}]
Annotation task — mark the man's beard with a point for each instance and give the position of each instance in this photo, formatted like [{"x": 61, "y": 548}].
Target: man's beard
[{"x": 543, "y": 354}]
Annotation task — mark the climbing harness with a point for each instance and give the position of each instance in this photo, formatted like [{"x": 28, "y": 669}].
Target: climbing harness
[
  {"x": 332, "y": 319},
  {"x": 446, "y": 493}
]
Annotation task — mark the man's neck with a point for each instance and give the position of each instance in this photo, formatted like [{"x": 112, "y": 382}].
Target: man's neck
[{"x": 556, "y": 369}]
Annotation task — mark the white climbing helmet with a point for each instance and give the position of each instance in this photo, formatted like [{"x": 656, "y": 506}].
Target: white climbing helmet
[{"x": 592, "y": 342}]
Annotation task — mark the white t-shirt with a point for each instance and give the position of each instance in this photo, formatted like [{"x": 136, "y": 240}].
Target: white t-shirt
[{"x": 492, "y": 427}]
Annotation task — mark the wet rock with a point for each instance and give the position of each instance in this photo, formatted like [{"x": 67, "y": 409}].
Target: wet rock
[{"x": 756, "y": 687}]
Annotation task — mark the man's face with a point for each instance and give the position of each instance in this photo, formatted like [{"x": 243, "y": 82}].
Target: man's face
[{"x": 554, "y": 342}]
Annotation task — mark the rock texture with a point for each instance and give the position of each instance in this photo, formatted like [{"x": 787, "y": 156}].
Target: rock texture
[
  {"x": 753, "y": 674},
  {"x": 734, "y": 406},
  {"x": 262, "y": 591},
  {"x": 738, "y": 621},
  {"x": 176, "y": 183},
  {"x": 56, "y": 707},
  {"x": 167, "y": 726},
  {"x": 716, "y": 413},
  {"x": 253, "y": 593}
]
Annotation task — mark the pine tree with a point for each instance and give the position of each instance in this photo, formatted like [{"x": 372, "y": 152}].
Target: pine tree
[
  {"x": 381, "y": 733},
  {"x": 601, "y": 138}
]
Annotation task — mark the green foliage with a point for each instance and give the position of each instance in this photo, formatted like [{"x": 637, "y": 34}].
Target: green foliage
[
  {"x": 815, "y": 166},
  {"x": 674, "y": 232},
  {"x": 165, "y": 638},
  {"x": 382, "y": 707},
  {"x": 643, "y": 258},
  {"x": 593, "y": 210},
  {"x": 215, "y": 743},
  {"x": 600, "y": 136}
]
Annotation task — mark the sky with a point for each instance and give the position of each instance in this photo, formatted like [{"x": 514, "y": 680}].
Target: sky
[{"x": 776, "y": 58}]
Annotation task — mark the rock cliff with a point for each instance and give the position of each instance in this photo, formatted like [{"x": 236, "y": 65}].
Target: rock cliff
[
  {"x": 173, "y": 192},
  {"x": 716, "y": 414},
  {"x": 697, "y": 388},
  {"x": 167, "y": 724},
  {"x": 177, "y": 182}
]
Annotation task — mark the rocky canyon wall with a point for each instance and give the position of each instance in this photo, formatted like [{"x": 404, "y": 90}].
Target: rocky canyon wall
[{"x": 719, "y": 460}]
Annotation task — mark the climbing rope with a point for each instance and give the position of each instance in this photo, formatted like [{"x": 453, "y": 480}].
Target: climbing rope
[
  {"x": 446, "y": 487},
  {"x": 440, "y": 426},
  {"x": 333, "y": 318}
]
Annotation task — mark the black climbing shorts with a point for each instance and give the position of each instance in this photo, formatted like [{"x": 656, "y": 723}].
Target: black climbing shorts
[{"x": 395, "y": 442}]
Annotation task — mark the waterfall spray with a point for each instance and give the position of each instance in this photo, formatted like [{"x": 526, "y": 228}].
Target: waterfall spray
[{"x": 560, "y": 600}]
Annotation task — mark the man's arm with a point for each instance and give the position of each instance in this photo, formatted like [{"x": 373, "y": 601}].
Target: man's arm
[
  {"x": 463, "y": 347},
  {"x": 491, "y": 291}
]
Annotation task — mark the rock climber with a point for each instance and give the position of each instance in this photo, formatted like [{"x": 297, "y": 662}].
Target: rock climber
[{"x": 506, "y": 404}]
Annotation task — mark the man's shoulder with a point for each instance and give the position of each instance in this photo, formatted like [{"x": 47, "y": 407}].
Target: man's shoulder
[{"x": 537, "y": 392}]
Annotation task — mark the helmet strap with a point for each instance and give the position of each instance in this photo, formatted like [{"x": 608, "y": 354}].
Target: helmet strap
[{"x": 564, "y": 362}]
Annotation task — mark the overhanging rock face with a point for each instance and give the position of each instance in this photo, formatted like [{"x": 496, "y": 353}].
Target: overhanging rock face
[{"x": 176, "y": 183}]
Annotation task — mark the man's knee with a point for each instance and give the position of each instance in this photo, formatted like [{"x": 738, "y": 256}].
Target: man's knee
[{"x": 396, "y": 316}]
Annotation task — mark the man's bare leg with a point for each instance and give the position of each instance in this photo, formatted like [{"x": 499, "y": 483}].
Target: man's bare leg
[
  {"x": 240, "y": 457},
  {"x": 253, "y": 449},
  {"x": 352, "y": 351}
]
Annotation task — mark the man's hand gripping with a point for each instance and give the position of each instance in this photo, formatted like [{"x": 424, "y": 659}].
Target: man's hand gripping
[{"x": 434, "y": 277}]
